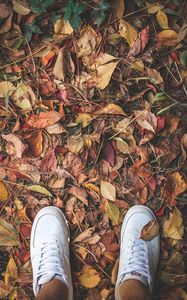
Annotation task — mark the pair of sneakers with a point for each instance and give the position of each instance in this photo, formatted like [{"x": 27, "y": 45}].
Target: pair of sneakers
[{"x": 50, "y": 249}]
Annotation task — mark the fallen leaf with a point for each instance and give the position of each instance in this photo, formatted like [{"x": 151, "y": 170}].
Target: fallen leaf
[
  {"x": 89, "y": 277},
  {"x": 114, "y": 38},
  {"x": 150, "y": 231},
  {"x": 153, "y": 8},
  {"x": 111, "y": 109},
  {"x": 79, "y": 193},
  {"x": 108, "y": 154},
  {"x": 15, "y": 145},
  {"x": 84, "y": 235},
  {"x": 84, "y": 119},
  {"x": 62, "y": 29},
  {"x": 108, "y": 190},
  {"x": 56, "y": 128},
  {"x": 11, "y": 273},
  {"x": 88, "y": 41},
  {"x": 104, "y": 292},
  {"x": 167, "y": 37},
  {"x": 21, "y": 7},
  {"x": 6, "y": 25},
  {"x": 173, "y": 227},
  {"x": 119, "y": 8},
  {"x": 75, "y": 143},
  {"x": 39, "y": 189},
  {"x": 24, "y": 96},
  {"x": 179, "y": 184},
  {"x": 162, "y": 19},
  {"x": 146, "y": 120},
  {"x": 4, "y": 290},
  {"x": 103, "y": 75},
  {"x": 112, "y": 212},
  {"x": 154, "y": 76},
  {"x": 128, "y": 32},
  {"x": 6, "y": 89},
  {"x": 48, "y": 57},
  {"x": 140, "y": 43},
  {"x": 56, "y": 182},
  {"x": 115, "y": 272},
  {"x": 5, "y": 11},
  {"x": 59, "y": 67},
  {"x": 3, "y": 192},
  {"x": 184, "y": 140},
  {"x": 35, "y": 142},
  {"x": 43, "y": 119},
  {"x": 8, "y": 234},
  {"x": 48, "y": 163}
]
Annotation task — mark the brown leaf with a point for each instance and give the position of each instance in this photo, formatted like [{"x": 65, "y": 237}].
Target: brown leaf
[
  {"x": 150, "y": 231},
  {"x": 87, "y": 42},
  {"x": 79, "y": 193},
  {"x": 3, "y": 192},
  {"x": 5, "y": 10},
  {"x": 7, "y": 24},
  {"x": 15, "y": 145},
  {"x": 115, "y": 272},
  {"x": 84, "y": 235},
  {"x": 119, "y": 8},
  {"x": 59, "y": 67},
  {"x": 4, "y": 290},
  {"x": 11, "y": 273},
  {"x": 6, "y": 88},
  {"x": 146, "y": 119},
  {"x": 24, "y": 96},
  {"x": 108, "y": 190},
  {"x": 8, "y": 234},
  {"x": 173, "y": 227},
  {"x": 112, "y": 109},
  {"x": 49, "y": 162},
  {"x": 154, "y": 76},
  {"x": 21, "y": 7},
  {"x": 44, "y": 119},
  {"x": 128, "y": 32},
  {"x": 57, "y": 128},
  {"x": 34, "y": 141},
  {"x": 62, "y": 29}
]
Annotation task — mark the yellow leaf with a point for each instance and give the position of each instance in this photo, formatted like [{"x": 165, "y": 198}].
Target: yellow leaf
[
  {"x": 103, "y": 75},
  {"x": 84, "y": 119},
  {"x": 112, "y": 109},
  {"x": 179, "y": 183},
  {"x": 3, "y": 192},
  {"x": 173, "y": 227},
  {"x": 6, "y": 88},
  {"x": 168, "y": 37},
  {"x": 39, "y": 189},
  {"x": 108, "y": 190},
  {"x": 162, "y": 19},
  {"x": 24, "y": 96},
  {"x": 59, "y": 69},
  {"x": 82, "y": 252},
  {"x": 62, "y": 29},
  {"x": 115, "y": 272},
  {"x": 88, "y": 41},
  {"x": 128, "y": 32},
  {"x": 119, "y": 8},
  {"x": 114, "y": 38},
  {"x": 91, "y": 186},
  {"x": 89, "y": 277},
  {"x": 153, "y": 8},
  {"x": 75, "y": 143},
  {"x": 104, "y": 294},
  {"x": 8, "y": 234},
  {"x": 112, "y": 211},
  {"x": 21, "y": 7},
  {"x": 11, "y": 273}
]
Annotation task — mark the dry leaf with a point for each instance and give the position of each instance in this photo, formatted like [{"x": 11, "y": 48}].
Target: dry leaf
[
  {"x": 153, "y": 8},
  {"x": 104, "y": 294},
  {"x": 21, "y": 7},
  {"x": 62, "y": 29},
  {"x": 112, "y": 212},
  {"x": 8, "y": 234},
  {"x": 115, "y": 272},
  {"x": 162, "y": 19},
  {"x": 3, "y": 192},
  {"x": 167, "y": 37},
  {"x": 47, "y": 57},
  {"x": 84, "y": 119},
  {"x": 88, "y": 41},
  {"x": 114, "y": 38},
  {"x": 39, "y": 189},
  {"x": 7, "y": 24},
  {"x": 24, "y": 96},
  {"x": 103, "y": 75},
  {"x": 59, "y": 67},
  {"x": 108, "y": 190},
  {"x": 173, "y": 227},
  {"x": 112, "y": 109},
  {"x": 84, "y": 235},
  {"x": 79, "y": 193},
  {"x": 15, "y": 146},
  {"x": 89, "y": 277},
  {"x": 154, "y": 76},
  {"x": 146, "y": 120},
  {"x": 11, "y": 273},
  {"x": 5, "y": 11},
  {"x": 44, "y": 119},
  {"x": 57, "y": 128},
  {"x": 6, "y": 88},
  {"x": 4, "y": 290},
  {"x": 75, "y": 143},
  {"x": 35, "y": 143},
  {"x": 179, "y": 183},
  {"x": 150, "y": 231},
  {"x": 128, "y": 32},
  {"x": 119, "y": 8}
]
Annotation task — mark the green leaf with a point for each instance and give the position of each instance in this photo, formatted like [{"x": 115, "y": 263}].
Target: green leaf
[
  {"x": 160, "y": 97},
  {"x": 69, "y": 10},
  {"x": 98, "y": 17},
  {"x": 79, "y": 8},
  {"x": 8, "y": 234},
  {"x": 35, "y": 28},
  {"x": 75, "y": 22},
  {"x": 112, "y": 211},
  {"x": 40, "y": 6}
]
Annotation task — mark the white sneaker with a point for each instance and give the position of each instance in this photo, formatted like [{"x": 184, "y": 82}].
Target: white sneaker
[
  {"x": 138, "y": 258},
  {"x": 49, "y": 248}
]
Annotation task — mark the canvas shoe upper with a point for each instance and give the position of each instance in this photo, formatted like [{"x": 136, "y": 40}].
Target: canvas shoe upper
[
  {"x": 49, "y": 248},
  {"x": 138, "y": 258}
]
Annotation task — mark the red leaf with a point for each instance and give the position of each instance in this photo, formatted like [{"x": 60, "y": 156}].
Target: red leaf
[
  {"x": 160, "y": 212},
  {"x": 108, "y": 154},
  {"x": 160, "y": 123},
  {"x": 44, "y": 119},
  {"x": 152, "y": 183},
  {"x": 49, "y": 163},
  {"x": 140, "y": 43}
]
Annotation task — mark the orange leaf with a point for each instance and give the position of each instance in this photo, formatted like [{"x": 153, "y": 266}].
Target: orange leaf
[
  {"x": 48, "y": 57},
  {"x": 44, "y": 119},
  {"x": 150, "y": 231},
  {"x": 3, "y": 192},
  {"x": 34, "y": 140},
  {"x": 11, "y": 273},
  {"x": 89, "y": 277}
]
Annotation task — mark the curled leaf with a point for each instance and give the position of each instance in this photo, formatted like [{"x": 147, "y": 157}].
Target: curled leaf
[
  {"x": 89, "y": 277},
  {"x": 150, "y": 231}
]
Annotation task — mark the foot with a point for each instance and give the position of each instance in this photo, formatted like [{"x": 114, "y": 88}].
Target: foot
[
  {"x": 138, "y": 258},
  {"x": 49, "y": 247}
]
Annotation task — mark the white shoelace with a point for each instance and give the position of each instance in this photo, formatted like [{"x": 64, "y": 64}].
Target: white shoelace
[
  {"x": 137, "y": 260},
  {"x": 49, "y": 261}
]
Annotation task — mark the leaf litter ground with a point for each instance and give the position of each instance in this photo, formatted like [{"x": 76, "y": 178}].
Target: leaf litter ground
[{"x": 93, "y": 121}]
